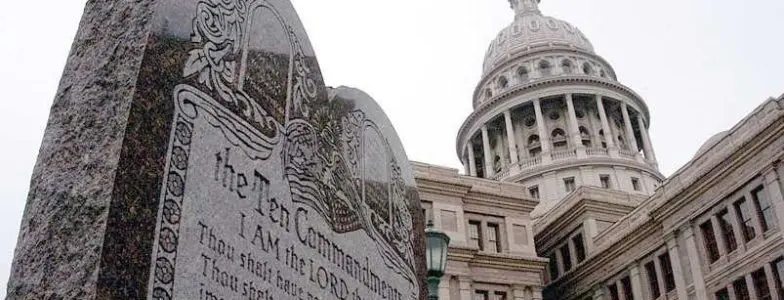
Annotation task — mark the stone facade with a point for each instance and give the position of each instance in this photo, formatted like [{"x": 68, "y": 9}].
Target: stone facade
[{"x": 557, "y": 153}]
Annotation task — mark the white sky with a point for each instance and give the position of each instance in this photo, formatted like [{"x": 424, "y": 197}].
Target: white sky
[{"x": 701, "y": 65}]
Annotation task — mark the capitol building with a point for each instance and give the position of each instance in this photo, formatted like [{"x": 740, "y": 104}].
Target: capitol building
[{"x": 561, "y": 197}]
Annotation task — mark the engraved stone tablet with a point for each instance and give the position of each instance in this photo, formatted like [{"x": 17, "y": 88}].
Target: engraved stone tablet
[{"x": 236, "y": 174}]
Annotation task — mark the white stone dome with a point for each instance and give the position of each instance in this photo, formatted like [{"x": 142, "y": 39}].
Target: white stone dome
[{"x": 532, "y": 30}]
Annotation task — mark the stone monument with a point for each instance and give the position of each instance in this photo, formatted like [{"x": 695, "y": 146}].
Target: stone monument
[{"x": 193, "y": 152}]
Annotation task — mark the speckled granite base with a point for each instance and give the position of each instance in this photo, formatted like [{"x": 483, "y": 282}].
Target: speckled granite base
[{"x": 180, "y": 124}]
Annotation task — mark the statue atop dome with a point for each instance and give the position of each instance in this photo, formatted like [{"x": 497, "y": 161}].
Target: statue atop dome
[{"x": 525, "y": 6}]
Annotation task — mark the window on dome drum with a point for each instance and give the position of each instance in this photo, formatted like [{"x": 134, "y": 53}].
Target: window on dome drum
[
  {"x": 666, "y": 269},
  {"x": 744, "y": 219},
  {"x": 626, "y": 284},
  {"x": 481, "y": 295},
  {"x": 475, "y": 234},
  {"x": 653, "y": 281},
  {"x": 558, "y": 133},
  {"x": 534, "y": 192},
  {"x": 605, "y": 181},
  {"x": 522, "y": 72},
  {"x": 569, "y": 185},
  {"x": 493, "y": 238},
  {"x": 553, "y": 265},
  {"x": 499, "y": 296},
  {"x": 545, "y": 68},
  {"x": 636, "y": 184},
  {"x": 566, "y": 66},
  {"x": 726, "y": 230},
  {"x": 587, "y": 69},
  {"x": 711, "y": 248},
  {"x": 764, "y": 209},
  {"x": 614, "y": 295},
  {"x": 723, "y": 294},
  {"x": 579, "y": 114},
  {"x": 741, "y": 289},
  {"x": 555, "y": 115},
  {"x": 761, "y": 284},
  {"x": 502, "y": 82},
  {"x": 566, "y": 256},
  {"x": 602, "y": 74},
  {"x": 778, "y": 271},
  {"x": 530, "y": 122},
  {"x": 579, "y": 247}
]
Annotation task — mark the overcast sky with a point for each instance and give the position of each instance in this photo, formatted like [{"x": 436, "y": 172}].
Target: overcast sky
[{"x": 701, "y": 65}]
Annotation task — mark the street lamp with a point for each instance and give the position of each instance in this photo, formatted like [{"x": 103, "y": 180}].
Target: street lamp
[{"x": 437, "y": 244}]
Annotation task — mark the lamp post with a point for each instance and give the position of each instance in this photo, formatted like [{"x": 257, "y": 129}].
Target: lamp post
[{"x": 437, "y": 245}]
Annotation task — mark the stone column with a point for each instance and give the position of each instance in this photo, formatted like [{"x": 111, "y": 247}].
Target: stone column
[
  {"x": 751, "y": 287},
  {"x": 487, "y": 151},
  {"x": 647, "y": 146},
  {"x": 510, "y": 137},
  {"x": 694, "y": 263},
  {"x": 518, "y": 293},
  {"x": 677, "y": 269},
  {"x": 574, "y": 127},
  {"x": 590, "y": 230},
  {"x": 772, "y": 284},
  {"x": 598, "y": 293},
  {"x": 608, "y": 135},
  {"x": 634, "y": 275},
  {"x": 471, "y": 159},
  {"x": 466, "y": 164},
  {"x": 632, "y": 142},
  {"x": 544, "y": 136},
  {"x": 773, "y": 187},
  {"x": 719, "y": 237},
  {"x": 443, "y": 287},
  {"x": 465, "y": 287}
]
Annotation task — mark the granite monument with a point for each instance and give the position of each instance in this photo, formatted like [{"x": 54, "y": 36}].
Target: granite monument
[{"x": 194, "y": 152}]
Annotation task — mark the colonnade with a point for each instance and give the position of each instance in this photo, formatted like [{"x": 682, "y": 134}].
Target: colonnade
[{"x": 574, "y": 137}]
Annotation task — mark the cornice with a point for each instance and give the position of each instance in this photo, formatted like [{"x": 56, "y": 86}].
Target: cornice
[
  {"x": 560, "y": 81},
  {"x": 498, "y": 261},
  {"x": 582, "y": 162}
]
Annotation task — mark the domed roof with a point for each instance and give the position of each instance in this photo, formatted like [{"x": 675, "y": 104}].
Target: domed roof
[
  {"x": 713, "y": 140},
  {"x": 530, "y": 30}
]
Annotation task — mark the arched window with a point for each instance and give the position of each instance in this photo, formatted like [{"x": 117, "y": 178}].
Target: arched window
[
  {"x": 522, "y": 72},
  {"x": 529, "y": 122},
  {"x": 502, "y": 82},
  {"x": 602, "y": 73},
  {"x": 566, "y": 66},
  {"x": 533, "y": 140},
  {"x": 587, "y": 69},
  {"x": 554, "y": 115},
  {"x": 488, "y": 93},
  {"x": 584, "y": 132},
  {"x": 558, "y": 133},
  {"x": 544, "y": 68}
]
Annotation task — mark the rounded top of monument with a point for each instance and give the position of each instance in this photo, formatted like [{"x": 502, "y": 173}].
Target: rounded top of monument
[
  {"x": 712, "y": 141},
  {"x": 531, "y": 30}
]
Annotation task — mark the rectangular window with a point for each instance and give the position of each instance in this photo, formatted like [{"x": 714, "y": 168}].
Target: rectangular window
[
  {"x": 764, "y": 209},
  {"x": 481, "y": 295},
  {"x": 613, "y": 292},
  {"x": 723, "y": 294},
  {"x": 499, "y": 296},
  {"x": 666, "y": 269},
  {"x": 569, "y": 184},
  {"x": 605, "y": 181},
  {"x": 553, "y": 266},
  {"x": 567, "y": 257},
  {"x": 493, "y": 238},
  {"x": 711, "y": 247},
  {"x": 475, "y": 234},
  {"x": 778, "y": 271},
  {"x": 636, "y": 184},
  {"x": 726, "y": 230},
  {"x": 534, "y": 192},
  {"x": 653, "y": 281},
  {"x": 761, "y": 284},
  {"x": 744, "y": 218},
  {"x": 579, "y": 247},
  {"x": 626, "y": 283},
  {"x": 741, "y": 290}
]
